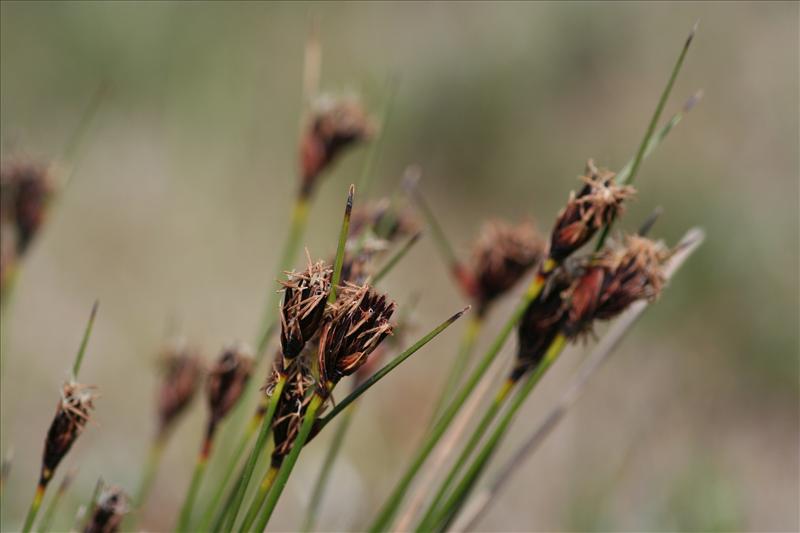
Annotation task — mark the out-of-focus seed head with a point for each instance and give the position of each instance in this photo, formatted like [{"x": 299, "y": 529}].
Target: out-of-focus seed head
[
  {"x": 72, "y": 414},
  {"x": 183, "y": 370},
  {"x": 291, "y": 410},
  {"x": 334, "y": 125},
  {"x": 541, "y": 322},
  {"x": 111, "y": 508},
  {"x": 596, "y": 204},
  {"x": 356, "y": 325},
  {"x": 304, "y": 298},
  {"x": 501, "y": 256},
  {"x": 27, "y": 188},
  {"x": 227, "y": 379},
  {"x": 620, "y": 276},
  {"x": 385, "y": 222}
]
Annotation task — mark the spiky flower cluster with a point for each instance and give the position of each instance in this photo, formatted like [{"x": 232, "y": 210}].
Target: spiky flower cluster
[
  {"x": 183, "y": 369},
  {"x": 356, "y": 324},
  {"x": 291, "y": 410},
  {"x": 501, "y": 256},
  {"x": 335, "y": 124},
  {"x": 226, "y": 381},
  {"x": 304, "y": 299},
  {"x": 72, "y": 414},
  {"x": 107, "y": 515},
  {"x": 598, "y": 202}
]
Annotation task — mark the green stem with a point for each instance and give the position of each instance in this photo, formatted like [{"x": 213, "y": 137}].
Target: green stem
[
  {"x": 150, "y": 469},
  {"x": 327, "y": 467},
  {"x": 194, "y": 486},
  {"x": 380, "y": 374},
  {"x": 260, "y": 497},
  {"x": 628, "y": 177},
  {"x": 439, "y": 236},
  {"x": 391, "y": 506},
  {"x": 36, "y": 503},
  {"x": 289, "y": 461},
  {"x": 396, "y": 257},
  {"x": 367, "y": 170},
  {"x": 340, "y": 248},
  {"x": 50, "y": 511},
  {"x": 459, "y": 366},
  {"x": 261, "y": 442},
  {"x": 475, "y": 439},
  {"x": 76, "y": 366},
  {"x": 464, "y": 487}
]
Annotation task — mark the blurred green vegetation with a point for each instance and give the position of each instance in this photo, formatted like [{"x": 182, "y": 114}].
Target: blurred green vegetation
[{"x": 179, "y": 208}]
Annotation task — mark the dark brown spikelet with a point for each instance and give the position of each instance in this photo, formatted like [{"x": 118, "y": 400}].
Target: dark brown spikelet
[
  {"x": 596, "y": 204},
  {"x": 385, "y": 222},
  {"x": 334, "y": 125},
  {"x": 542, "y": 321},
  {"x": 226, "y": 381},
  {"x": 304, "y": 298},
  {"x": 107, "y": 515},
  {"x": 617, "y": 278},
  {"x": 357, "y": 323},
  {"x": 501, "y": 256},
  {"x": 72, "y": 414},
  {"x": 291, "y": 410},
  {"x": 183, "y": 370},
  {"x": 27, "y": 188}
]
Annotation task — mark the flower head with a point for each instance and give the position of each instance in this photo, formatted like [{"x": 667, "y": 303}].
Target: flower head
[
  {"x": 182, "y": 372},
  {"x": 27, "y": 188},
  {"x": 334, "y": 125},
  {"x": 291, "y": 410},
  {"x": 596, "y": 204},
  {"x": 72, "y": 414},
  {"x": 386, "y": 222},
  {"x": 357, "y": 323},
  {"x": 304, "y": 298},
  {"x": 501, "y": 256},
  {"x": 111, "y": 508},
  {"x": 227, "y": 379}
]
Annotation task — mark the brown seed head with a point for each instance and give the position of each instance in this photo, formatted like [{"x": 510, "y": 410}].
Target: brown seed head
[
  {"x": 357, "y": 323},
  {"x": 596, "y": 204},
  {"x": 291, "y": 410},
  {"x": 501, "y": 256},
  {"x": 111, "y": 508},
  {"x": 72, "y": 414},
  {"x": 334, "y": 125},
  {"x": 617, "y": 278},
  {"x": 227, "y": 379},
  {"x": 183, "y": 369},
  {"x": 27, "y": 188},
  {"x": 304, "y": 299},
  {"x": 386, "y": 223}
]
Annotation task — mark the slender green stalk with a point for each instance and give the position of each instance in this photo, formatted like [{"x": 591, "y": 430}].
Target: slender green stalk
[
  {"x": 396, "y": 258},
  {"x": 50, "y": 511},
  {"x": 327, "y": 467},
  {"x": 36, "y": 503},
  {"x": 391, "y": 365},
  {"x": 150, "y": 470},
  {"x": 76, "y": 366},
  {"x": 340, "y": 249},
  {"x": 459, "y": 366},
  {"x": 75, "y": 141},
  {"x": 288, "y": 463},
  {"x": 462, "y": 490},
  {"x": 439, "y": 236},
  {"x": 392, "y": 504},
  {"x": 260, "y": 497},
  {"x": 494, "y": 408},
  {"x": 197, "y": 478},
  {"x": 651, "y": 127},
  {"x": 261, "y": 442},
  {"x": 365, "y": 180}
]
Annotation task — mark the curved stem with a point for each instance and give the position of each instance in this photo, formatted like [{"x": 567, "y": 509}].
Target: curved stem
[{"x": 258, "y": 500}]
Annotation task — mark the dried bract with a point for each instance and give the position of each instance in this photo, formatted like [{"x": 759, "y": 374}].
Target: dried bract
[
  {"x": 501, "y": 256},
  {"x": 334, "y": 125},
  {"x": 226, "y": 381},
  {"x": 183, "y": 370},
  {"x": 617, "y": 278},
  {"x": 111, "y": 508},
  {"x": 72, "y": 414},
  {"x": 596, "y": 204},
  {"x": 358, "y": 322},
  {"x": 304, "y": 299}
]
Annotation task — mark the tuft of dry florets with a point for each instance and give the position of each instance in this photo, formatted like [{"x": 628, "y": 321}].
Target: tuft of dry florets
[
  {"x": 27, "y": 188},
  {"x": 291, "y": 410},
  {"x": 357, "y": 323},
  {"x": 183, "y": 369},
  {"x": 72, "y": 414},
  {"x": 226, "y": 381},
  {"x": 596, "y": 204},
  {"x": 334, "y": 125},
  {"x": 501, "y": 256},
  {"x": 617, "y": 278},
  {"x": 304, "y": 299},
  {"x": 107, "y": 515}
]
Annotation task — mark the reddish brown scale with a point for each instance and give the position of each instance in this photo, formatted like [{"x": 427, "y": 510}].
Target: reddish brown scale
[
  {"x": 304, "y": 300},
  {"x": 183, "y": 370},
  {"x": 107, "y": 515}
]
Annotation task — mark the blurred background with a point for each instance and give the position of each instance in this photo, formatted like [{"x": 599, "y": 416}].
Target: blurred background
[{"x": 180, "y": 201}]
